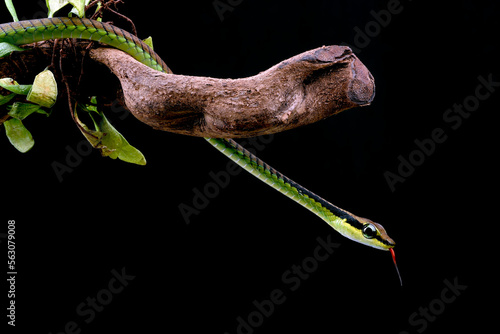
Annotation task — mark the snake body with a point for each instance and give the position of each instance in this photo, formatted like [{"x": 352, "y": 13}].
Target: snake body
[
  {"x": 353, "y": 227},
  {"x": 31, "y": 31}
]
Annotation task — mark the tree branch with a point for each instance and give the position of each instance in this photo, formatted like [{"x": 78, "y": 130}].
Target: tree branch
[
  {"x": 301, "y": 90},
  {"x": 298, "y": 91}
]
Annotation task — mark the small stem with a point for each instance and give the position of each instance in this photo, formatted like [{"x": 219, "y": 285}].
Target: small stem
[
  {"x": 132, "y": 25},
  {"x": 4, "y": 118}
]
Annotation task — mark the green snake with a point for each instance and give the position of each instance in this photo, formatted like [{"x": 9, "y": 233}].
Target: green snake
[{"x": 351, "y": 226}]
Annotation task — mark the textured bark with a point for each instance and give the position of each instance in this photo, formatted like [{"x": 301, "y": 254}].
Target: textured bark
[
  {"x": 298, "y": 91},
  {"x": 301, "y": 90}
]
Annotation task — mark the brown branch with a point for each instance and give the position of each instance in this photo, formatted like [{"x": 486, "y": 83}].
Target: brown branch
[{"x": 301, "y": 90}]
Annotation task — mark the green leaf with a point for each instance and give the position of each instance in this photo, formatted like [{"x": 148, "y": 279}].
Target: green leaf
[
  {"x": 7, "y": 48},
  {"x": 107, "y": 139},
  {"x": 116, "y": 146},
  {"x": 21, "y": 110},
  {"x": 12, "y": 10},
  {"x": 14, "y": 87},
  {"x": 43, "y": 90},
  {"x": 6, "y": 98},
  {"x": 94, "y": 137},
  {"x": 149, "y": 42},
  {"x": 18, "y": 135},
  {"x": 81, "y": 12},
  {"x": 55, "y": 5}
]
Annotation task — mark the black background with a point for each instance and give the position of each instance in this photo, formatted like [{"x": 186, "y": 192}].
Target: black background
[{"x": 202, "y": 276}]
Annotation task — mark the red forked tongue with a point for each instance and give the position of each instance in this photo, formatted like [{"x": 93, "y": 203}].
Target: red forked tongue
[{"x": 395, "y": 264}]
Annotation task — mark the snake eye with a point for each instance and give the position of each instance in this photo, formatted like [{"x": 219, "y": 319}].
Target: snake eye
[{"x": 369, "y": 231}]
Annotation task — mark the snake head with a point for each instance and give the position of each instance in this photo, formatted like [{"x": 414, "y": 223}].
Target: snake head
[
  {"x": 369, "y": 233},
  {"x": 374, "y": 235}
]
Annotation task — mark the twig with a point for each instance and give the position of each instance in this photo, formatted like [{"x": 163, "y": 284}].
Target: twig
[{"x": 132, "y": 25}]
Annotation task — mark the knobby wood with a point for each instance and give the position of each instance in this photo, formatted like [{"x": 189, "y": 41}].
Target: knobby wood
[{"x": 298, "y": 91}]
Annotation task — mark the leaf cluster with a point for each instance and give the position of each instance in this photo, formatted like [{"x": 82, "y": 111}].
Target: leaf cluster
[{"x": 41, "y": 95}]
